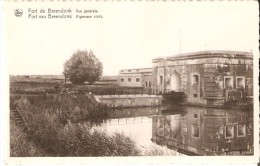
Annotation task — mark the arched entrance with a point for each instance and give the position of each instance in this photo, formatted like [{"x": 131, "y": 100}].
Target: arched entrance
[{"x": 176, "y": 82}]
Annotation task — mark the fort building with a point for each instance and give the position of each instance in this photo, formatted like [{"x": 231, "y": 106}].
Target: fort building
[
  {"x": 140, "y": 77},
  {"x": 206, "y": 77}
]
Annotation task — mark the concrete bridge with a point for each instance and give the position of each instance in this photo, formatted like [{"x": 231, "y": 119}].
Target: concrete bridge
[{"x": 127, "y": 101}]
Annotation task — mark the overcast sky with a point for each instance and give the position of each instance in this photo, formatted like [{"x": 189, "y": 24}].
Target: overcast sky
[{"x": 130, "y": 34}]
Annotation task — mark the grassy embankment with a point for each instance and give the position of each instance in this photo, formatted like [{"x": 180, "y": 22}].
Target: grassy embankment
[{"x": 53, "y": 133}]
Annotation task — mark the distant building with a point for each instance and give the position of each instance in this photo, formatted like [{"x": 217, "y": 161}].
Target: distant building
[
  {"x": 140, "y": 77},
  {"x": 108, "y": 78},
  {"x": 206, "y": 77}
]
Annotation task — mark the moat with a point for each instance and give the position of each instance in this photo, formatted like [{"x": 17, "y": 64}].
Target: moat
[{"x": 184, "y": 130}]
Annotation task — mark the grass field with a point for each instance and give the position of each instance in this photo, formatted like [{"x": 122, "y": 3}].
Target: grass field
[{"x": 52, "y": 86}]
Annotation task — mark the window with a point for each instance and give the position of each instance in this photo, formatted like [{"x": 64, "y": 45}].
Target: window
[
  {"x": 129, "y": 70},
  {"x": 122, "y": 80},
  {"x": 229, "y": 131},
  {"x": 129, "y": 79},
  {"x": 241, "y": 130},
  {"x": 146, "y": 84},
  {"x": 161, "y": 80},
  {"x": 137, "y": 79},
  {"x": 195, "y": 131},
  {"x": 228, "y": 82},
  {"x": 195, "y": 95},
  {"x": 195, "y": 80},
  {"x": 240, "y": 82},
  {"x": 195, "y": 115},
  {"x": 150, "y": 84},
  {"x": 137, "y": 70}
]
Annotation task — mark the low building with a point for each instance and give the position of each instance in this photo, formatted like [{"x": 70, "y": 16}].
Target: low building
[
  {"x": 206, "y": 77},
  {"x": 108, "y": 78},
  {"x": 141, "y": 77}
]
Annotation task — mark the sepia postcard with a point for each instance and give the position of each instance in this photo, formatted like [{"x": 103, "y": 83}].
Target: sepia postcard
[{"x": 129, "y": 82}]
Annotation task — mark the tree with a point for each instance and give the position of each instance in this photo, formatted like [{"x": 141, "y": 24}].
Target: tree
[{"x": 83, "y": 66}]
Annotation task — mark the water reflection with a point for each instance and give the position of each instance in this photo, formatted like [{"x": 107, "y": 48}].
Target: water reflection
[
  {"x": 127, "y": 115},
  {"x": 189, "y": 130},
  {"x": 205, "y": 131}
]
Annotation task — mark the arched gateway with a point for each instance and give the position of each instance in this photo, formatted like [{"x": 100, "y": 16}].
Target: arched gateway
[{"x": 176, "y": 82}]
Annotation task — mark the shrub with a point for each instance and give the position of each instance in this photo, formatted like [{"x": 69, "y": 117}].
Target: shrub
[{"x": 83, "y": 66}]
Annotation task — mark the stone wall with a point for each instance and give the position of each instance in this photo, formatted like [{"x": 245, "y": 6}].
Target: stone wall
[{"x": 123, "y": 101}]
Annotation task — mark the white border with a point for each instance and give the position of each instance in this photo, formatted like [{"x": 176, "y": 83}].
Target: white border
[{"x": 115, "y": 160}]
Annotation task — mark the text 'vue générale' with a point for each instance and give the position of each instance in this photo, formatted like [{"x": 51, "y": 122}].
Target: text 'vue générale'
[{"x": 64, "y": 13}]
